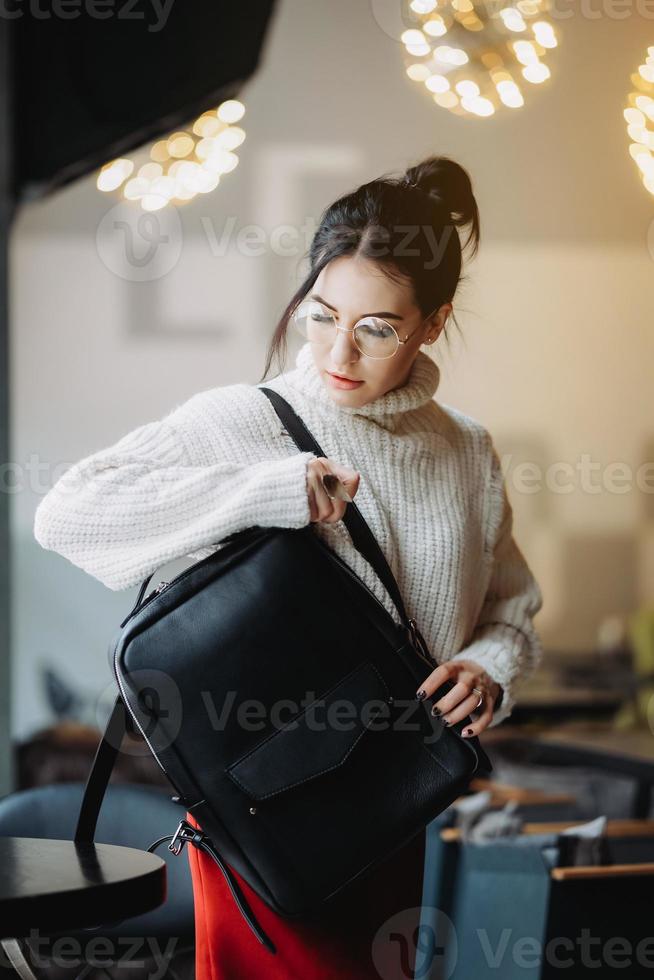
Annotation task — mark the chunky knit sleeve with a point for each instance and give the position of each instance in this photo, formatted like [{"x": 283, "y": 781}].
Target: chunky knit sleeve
[
  {"x": 505, "y": 642},
  {"x": 123, "y": 511}
]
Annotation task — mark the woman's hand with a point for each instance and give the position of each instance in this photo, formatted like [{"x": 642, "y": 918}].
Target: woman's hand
[
  {"x": 461, "y": 700},
  {"x": 321, "y": 505}
]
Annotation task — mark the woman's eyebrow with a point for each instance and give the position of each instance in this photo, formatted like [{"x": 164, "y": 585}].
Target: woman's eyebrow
[{"x": 386, "y": 315}]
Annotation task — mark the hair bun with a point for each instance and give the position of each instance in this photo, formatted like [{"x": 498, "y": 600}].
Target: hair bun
[
  {"x": 449, "y": 187},
  {"x": 424, "y": 188}
]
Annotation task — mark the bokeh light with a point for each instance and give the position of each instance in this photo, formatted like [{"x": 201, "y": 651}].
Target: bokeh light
[
  {"x": 475, "y": 58},
  {"x": 639, "y": 117},
  {"x": 186, "y": 163}
]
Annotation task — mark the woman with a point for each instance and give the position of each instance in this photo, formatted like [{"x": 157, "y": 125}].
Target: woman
[{"x": 385, "y": 264}]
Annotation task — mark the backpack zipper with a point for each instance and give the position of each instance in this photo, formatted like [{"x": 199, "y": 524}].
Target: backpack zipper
[{"x": 159, "y": 588}]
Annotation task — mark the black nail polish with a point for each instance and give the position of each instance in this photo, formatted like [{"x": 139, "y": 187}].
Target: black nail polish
[
  {"x": 467, "y": 732},
  {"x": 420, "y": 695},
  {"x": 436, "y": 712}
]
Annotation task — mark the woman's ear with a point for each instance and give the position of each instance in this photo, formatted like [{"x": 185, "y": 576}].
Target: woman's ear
[{"x": 437, "y": 322}]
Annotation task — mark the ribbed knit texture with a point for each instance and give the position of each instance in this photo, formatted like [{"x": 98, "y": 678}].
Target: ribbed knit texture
[{"x": 431, "y": 490}]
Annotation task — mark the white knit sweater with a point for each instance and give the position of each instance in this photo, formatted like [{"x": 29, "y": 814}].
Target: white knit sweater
[{"x": 431, "y": 490}]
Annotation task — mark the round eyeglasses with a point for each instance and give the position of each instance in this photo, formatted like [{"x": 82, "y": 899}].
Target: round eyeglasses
[{"x": 372, "y": 336}]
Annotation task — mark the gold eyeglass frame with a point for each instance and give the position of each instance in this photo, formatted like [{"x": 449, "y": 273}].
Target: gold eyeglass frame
[{"x": 363, "y": 319}]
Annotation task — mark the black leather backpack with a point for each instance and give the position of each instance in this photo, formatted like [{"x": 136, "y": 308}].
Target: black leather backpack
[{"x": 278, "y": 696}]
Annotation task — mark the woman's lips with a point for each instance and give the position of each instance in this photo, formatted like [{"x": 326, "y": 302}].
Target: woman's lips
[{"x": 338, "y": 382}]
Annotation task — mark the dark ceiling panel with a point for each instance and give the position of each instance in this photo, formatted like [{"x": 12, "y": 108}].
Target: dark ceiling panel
[{"x": 96, "y": 85}]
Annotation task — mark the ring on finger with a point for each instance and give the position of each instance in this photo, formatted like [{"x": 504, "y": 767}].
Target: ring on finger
[
  {"x": 328, "y": 485},
  {"x": 481, "y": 698},
  {"x": 334, "y": 488}
]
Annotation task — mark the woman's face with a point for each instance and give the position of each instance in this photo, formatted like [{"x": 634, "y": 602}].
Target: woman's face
[{"x": 352, "y": 288}]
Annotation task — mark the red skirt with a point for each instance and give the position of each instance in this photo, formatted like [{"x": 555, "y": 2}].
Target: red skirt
[{"x": 367, "y": 933}]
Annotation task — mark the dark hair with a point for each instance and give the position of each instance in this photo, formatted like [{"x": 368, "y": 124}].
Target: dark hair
[{"x": 398, "y": 222}]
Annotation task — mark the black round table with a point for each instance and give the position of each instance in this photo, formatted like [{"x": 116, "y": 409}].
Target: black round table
[{"x": 53, "y": 885}]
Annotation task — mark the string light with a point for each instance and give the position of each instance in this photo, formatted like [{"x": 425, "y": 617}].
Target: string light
[
  {"x": 180, "y": 166},
  {"x": 639, "y": 117},
  {"x": 473, "y": 58}
]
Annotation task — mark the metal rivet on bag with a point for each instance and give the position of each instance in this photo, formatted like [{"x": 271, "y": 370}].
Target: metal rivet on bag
[
  {"x": 253, "y": 810},
  {"x": 390, "y": 700}
]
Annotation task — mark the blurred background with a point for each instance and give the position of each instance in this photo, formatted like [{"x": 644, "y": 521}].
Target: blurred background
[
  {"x": 556, "y": 313},
  {"x": 121, "y": 301}
]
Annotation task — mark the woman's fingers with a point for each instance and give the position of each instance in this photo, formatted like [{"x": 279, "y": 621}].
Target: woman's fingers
[
  {"x": 461, "y": 700},
  {"x": 326, "y": 508},
  {"x": 457, "y": 704},
  {"x": 481, "y": 720},
  {"x": 322, "y": 507},
  {"x": 437, "y": 678},
  {"x": 349, "y": 478}
]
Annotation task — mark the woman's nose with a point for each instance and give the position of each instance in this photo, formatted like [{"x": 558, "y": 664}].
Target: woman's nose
[{"x": 344, "y": 350}]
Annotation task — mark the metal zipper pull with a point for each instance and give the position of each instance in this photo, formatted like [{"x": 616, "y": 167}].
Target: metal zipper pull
[
  {"x": 151, "y": 595},
  {"x": 418, "y": 642}
]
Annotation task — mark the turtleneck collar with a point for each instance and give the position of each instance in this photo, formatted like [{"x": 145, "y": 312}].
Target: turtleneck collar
[{"x": 418, "y": 390}]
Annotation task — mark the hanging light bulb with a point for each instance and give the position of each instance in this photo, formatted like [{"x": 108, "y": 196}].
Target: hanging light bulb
[
  {"x": 475, "y": 58},
  {"x": 185, "y": 163}
]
